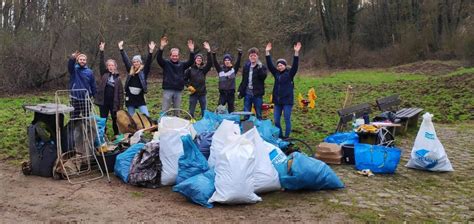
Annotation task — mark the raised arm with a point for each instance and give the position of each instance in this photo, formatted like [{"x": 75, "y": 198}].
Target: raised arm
[
  {"x": 190, "y": 61},
  {"x": 268, "y": 57},
  {"x": 146, "y": 69},
  {"x": 159, "y": 57},
  {"x": 237, "y": 63},
  {"x": 294, "y": 66},
  {"x": 72, "y": 62},
  {"x": 125, "y": 58},
  {"x": 208, "y": 65},
  {"x": 216, "y": 64},
  {"x": 102, "y": 67}
]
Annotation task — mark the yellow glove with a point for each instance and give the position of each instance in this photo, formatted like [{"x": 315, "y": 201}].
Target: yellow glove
[{"x": 191, "y": 89}]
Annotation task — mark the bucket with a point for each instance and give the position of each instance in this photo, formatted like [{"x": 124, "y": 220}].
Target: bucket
[{"x": 109, "y": 159}]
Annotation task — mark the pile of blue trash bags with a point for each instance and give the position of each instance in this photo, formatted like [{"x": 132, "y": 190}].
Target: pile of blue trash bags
[{"x": 214, "y": 160}]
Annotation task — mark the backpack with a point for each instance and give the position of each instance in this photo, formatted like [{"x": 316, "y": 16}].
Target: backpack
[{"x": 42, "y": 150}]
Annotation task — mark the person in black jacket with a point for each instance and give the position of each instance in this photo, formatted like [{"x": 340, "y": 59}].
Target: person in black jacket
[
  {"x": 195, "y": 79},
  {"x": 173, "y": 74},
  {"x": 283, "y": 89},
  {"x": 136, "y": 83},
  {"x": 227, "y": 73},
  {"x": 109, "y": 96},
  {"x": 252, "y": 87}
]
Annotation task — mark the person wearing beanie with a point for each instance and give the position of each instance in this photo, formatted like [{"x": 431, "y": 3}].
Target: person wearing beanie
[
  {"x": 136, "y": 83},
  {"x": 109, "y": 96},
  {"x": 283, "y": 88},
  {"x": 227, "y": 73},
  {"x": 81, "y": 77},
  {"x": 195, "y": 80},
  {"x": 173, "y": 74},
  {"x": 252, "y": 86}
]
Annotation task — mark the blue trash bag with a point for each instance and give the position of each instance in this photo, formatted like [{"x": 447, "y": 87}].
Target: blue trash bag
[
  {"x": 343, "y": 138},
  {"x": 203, "y": 142},
  {"x": 199, "y": 188},
  {"x": 230, "y": 117},
  {"x": 209, "y": 123},
  {"x": 269, "y": 132},
  {"x": 101, "y": 123},
  {"x": 192, "y": 162},
  {"x": 378, "y": 159},
  {"x": 124, "y": 161},
  {"x": 308, "y": 173}
]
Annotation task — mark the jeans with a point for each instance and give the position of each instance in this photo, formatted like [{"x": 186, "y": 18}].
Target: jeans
[
  {"x": 227, "y": 97},
  {"x": 171, "y": 99},
  {"x": 193, "y": 99},
  {"x": 104, "y": 113},
  {"x": 286, "y": 109},
  {"x": 143, "y": 109},
  {"x": 256, "y": 101}
]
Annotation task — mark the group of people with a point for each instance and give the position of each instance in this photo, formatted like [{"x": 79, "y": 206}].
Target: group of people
[{"x": 111, "y": 93}]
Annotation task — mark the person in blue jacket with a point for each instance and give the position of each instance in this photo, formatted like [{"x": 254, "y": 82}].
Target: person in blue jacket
[
  {"x": 81, "y": 78},
  {"x": 136, "y": 83},
  {"x": 283, "y": 89}
]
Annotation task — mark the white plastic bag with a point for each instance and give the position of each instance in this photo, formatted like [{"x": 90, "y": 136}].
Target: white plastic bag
[
  {"x": 175, "y": 123},
  {"x": 265, "y": 175},
  {"x": 226, "y": 133},
  {"x": 170, "y": 130},
  {"x": 428, "y": 153},
  {"x": 234, "y": 168},
  {"x": 171, "y": 148}
]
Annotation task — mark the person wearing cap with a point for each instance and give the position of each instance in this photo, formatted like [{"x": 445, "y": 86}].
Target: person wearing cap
[
  {"x": 252, "y": 86},
  {"x": 109, "y": 95},
  {"x": 136, "y": 83},
  {"x": 173, "y": 74},
  {"x": 81, "y": 77},
  {"x": 283, "y": 88},
  {"x": 227, "y": 73},
  {"x": 195, "y": 79}
]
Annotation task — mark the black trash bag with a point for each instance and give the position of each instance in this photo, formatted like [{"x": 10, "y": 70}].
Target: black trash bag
[
  {"x": 386, "y": 116},
  {"x": 145, "y": 170},
  {"x": 203, "y": 141}
]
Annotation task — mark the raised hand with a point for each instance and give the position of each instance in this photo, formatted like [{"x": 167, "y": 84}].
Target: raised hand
[
  {"x": 151, "y": 46},
  {"x": 207, "y": 46},
  {"x": 163, "y": 42},
  {"x": 74, "y": 55},
  {"x": 269, "y": 47},
  {"x": 120, "y": 45},
  {"x": 191, "y": 45},
  {"x": 239, "y": 49},
  {"x": 102, "y": 46},
  {"x": 297, "y": 46}
]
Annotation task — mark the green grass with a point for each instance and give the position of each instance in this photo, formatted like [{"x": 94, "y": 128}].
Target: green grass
[{"x": 449, "y": 98}]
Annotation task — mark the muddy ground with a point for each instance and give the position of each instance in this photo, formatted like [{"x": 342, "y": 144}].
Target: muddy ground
[{"x": 407, "y": 195}]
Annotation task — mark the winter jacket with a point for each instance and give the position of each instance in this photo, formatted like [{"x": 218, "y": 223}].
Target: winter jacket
[
  {"x": 173, "y": 73},
  {"x": 283, "y": 89},
  {"x": 227, "y": 75},
  {"x": 80, "y": 78},
  {"x": 143, "y": 74},
  {"x": 195, "y": 76},
  {"x": 118, "y": 87},
  {"x": 258, "y": 79}
]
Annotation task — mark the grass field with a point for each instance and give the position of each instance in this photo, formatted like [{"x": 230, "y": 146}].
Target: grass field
[{"x": 449, "y": 97}]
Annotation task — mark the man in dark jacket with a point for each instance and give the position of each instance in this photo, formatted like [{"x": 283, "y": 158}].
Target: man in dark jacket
[
  {"x": 81, "y": 78},
  {"x": 173, "y": 74},
  {"x": 195, "y": 79},
  {"x": 252, "y": 87}
]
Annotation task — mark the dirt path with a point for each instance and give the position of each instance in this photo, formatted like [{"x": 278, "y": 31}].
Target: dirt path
[{"x": 408, "y": 195}]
